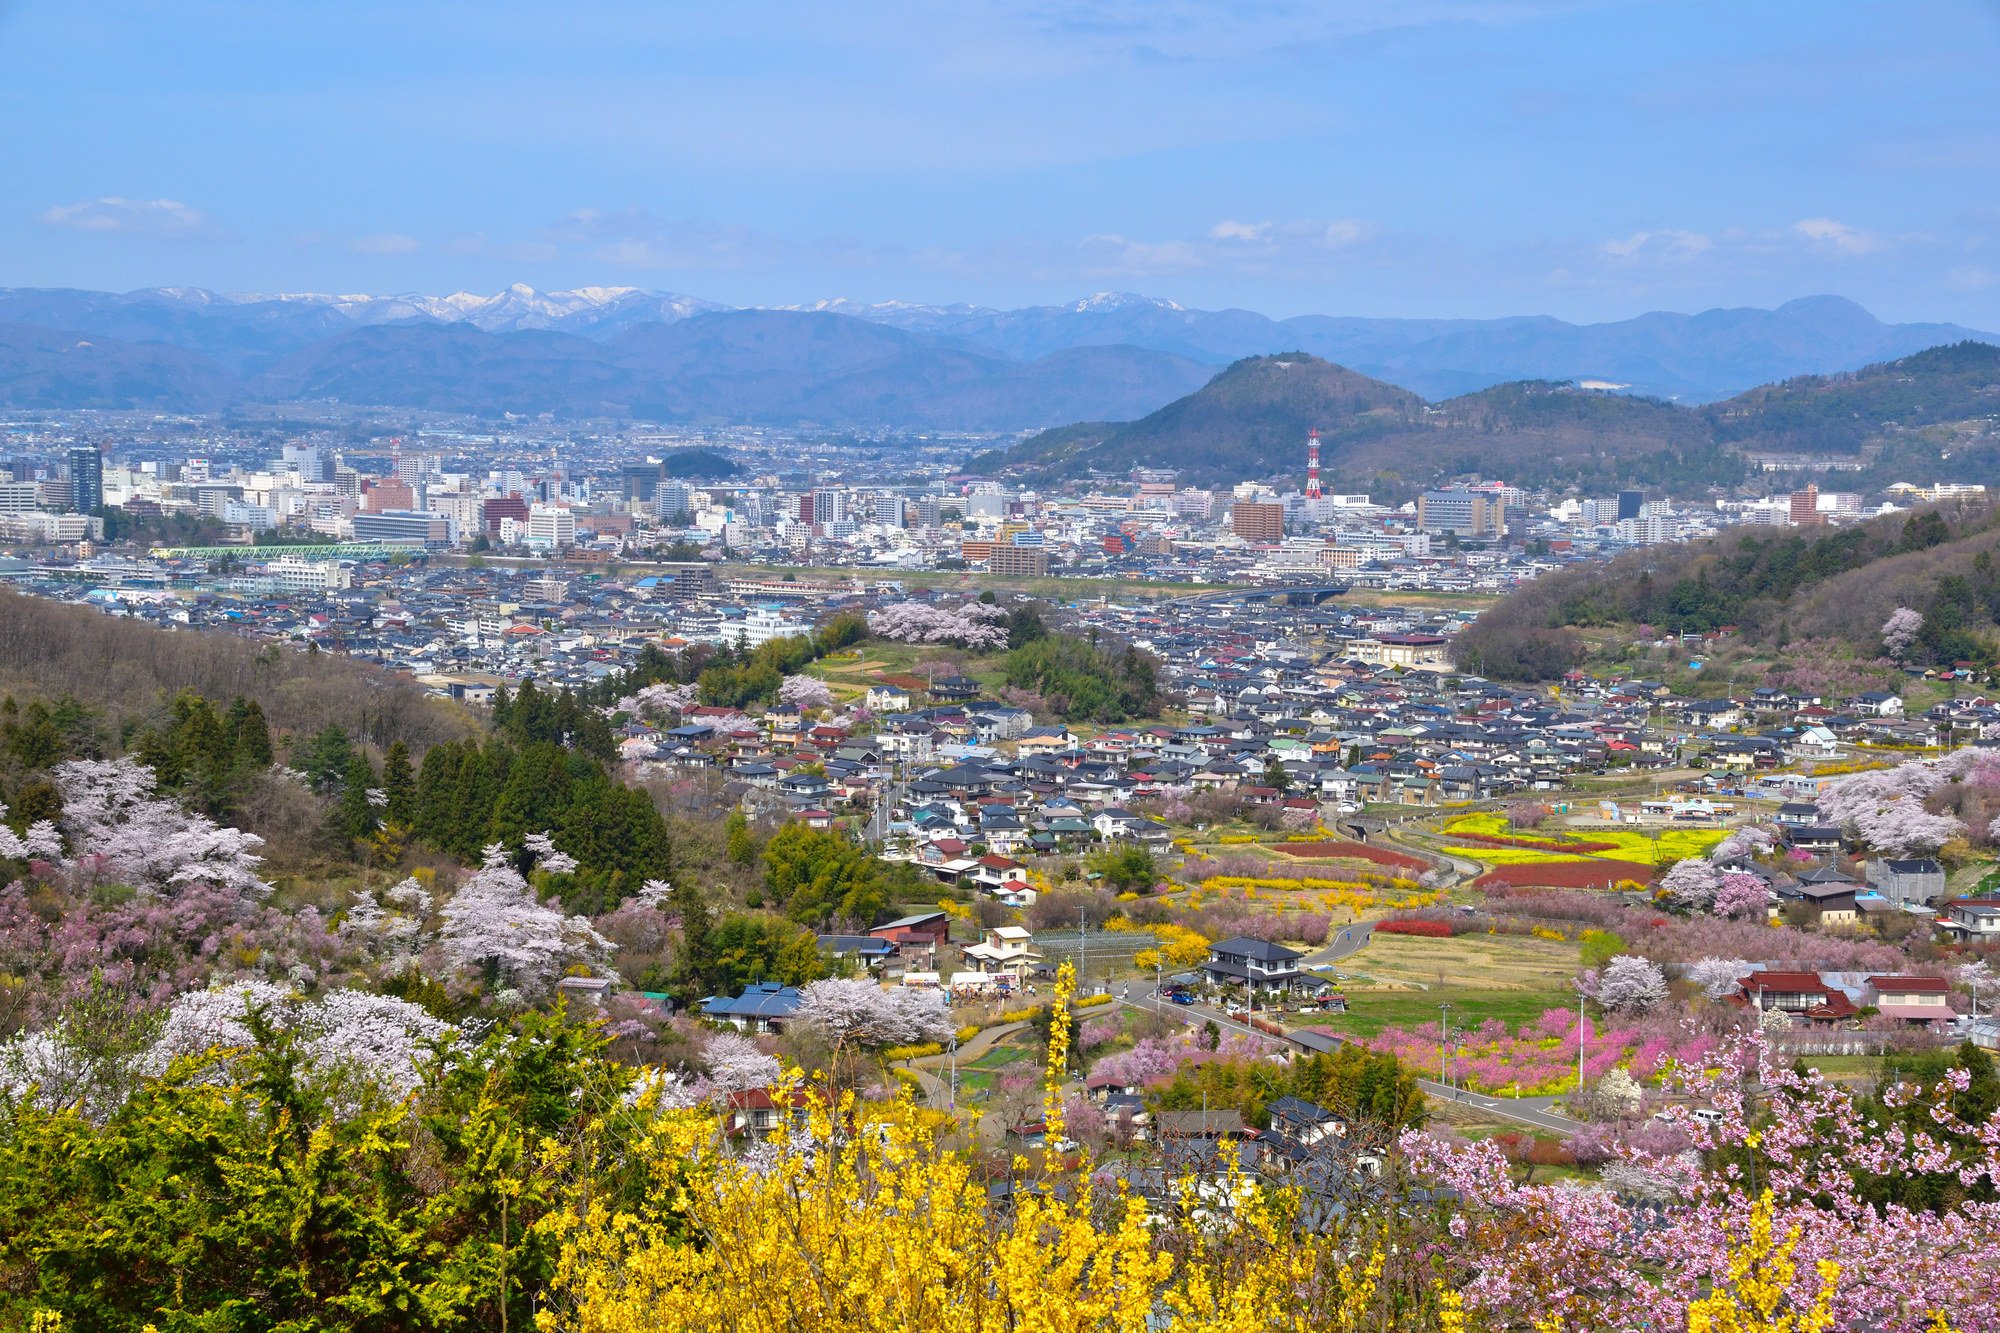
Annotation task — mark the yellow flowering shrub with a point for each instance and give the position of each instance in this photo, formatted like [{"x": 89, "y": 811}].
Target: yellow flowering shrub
[
  {"x": 1179, "y": 946},
  {"x": 859, "y": 1218},
  {"x": 1755, "y": 1298}
]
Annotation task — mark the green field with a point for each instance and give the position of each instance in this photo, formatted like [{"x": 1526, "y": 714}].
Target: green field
[{"x": 1369, "y": 1011}]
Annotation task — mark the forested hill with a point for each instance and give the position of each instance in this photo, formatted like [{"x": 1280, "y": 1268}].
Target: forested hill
[
  {"x": 1251, "y": 421},
  {"x": 1835, "y": 587}
]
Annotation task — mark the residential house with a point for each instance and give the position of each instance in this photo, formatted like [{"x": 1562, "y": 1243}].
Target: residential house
[
  {"x": 1918, "y": 1001},
  {"x": 1907, "y": 881},
  {"x": 1006, "y": 951},
  {"x": 1258, "y": 965},
  {"x": 763, "y": 1007}
]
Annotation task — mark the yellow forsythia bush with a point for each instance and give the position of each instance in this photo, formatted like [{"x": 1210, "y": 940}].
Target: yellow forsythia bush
[{"x": 916, "y": 1052}]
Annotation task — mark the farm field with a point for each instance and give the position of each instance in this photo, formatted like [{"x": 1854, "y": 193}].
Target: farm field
[
  {"x": 1487, "y": 962},
  {"x": 1371, "y": 1011}
]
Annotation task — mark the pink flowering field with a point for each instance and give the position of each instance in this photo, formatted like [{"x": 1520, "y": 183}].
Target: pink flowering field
[{"x": 1540, "y": 1059}]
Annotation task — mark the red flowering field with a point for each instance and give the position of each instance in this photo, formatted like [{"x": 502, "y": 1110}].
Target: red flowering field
[
  {"x": 1565, "y": 875},
  {"x": 1327, "y": 851},
  {"x": 1438, "y": 930}
]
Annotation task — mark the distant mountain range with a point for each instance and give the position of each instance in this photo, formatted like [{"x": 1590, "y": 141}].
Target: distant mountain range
[
  {"x": 1252, "y": 421},
  {"x": 625, "y": 352}
]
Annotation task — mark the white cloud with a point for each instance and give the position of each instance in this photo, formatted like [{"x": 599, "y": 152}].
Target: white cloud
[
  {"x": 130, "y": 217},
  {"x": 1668, "y": 244},
  {"x": 384, "y": 243},
  {"x": 1838, "y": 236},
  {"x": 1239, "y": 231}
]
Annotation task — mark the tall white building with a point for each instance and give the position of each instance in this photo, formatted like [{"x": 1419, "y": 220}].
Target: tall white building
[{"x": 550, "y": 528}]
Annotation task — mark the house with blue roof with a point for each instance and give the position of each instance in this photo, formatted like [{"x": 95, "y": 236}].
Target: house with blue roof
[{"x": 763, "y": 1007}]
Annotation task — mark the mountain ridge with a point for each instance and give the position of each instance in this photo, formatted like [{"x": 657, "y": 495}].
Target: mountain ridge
[
  {"x": 240, "y": 340},
  {"x": 1252, "y": 419}
]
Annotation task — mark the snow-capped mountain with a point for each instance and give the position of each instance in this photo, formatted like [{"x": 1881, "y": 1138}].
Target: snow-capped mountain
[{"x": 518, "y": 307}]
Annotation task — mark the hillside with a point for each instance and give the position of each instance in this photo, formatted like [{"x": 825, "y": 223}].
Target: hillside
[
  {"x": 1252, "y": 421},
  {"x": 126, "y": 669},
  {"x": 1825, "y": 593}
]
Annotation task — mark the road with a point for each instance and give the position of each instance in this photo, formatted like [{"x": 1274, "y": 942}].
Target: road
[
  {"x": 1535, "y": 1112},
  {"x": 1349, "y": 939}
]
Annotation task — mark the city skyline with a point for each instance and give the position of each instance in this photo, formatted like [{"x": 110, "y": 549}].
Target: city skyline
[{"x": 1350, "y": 159}]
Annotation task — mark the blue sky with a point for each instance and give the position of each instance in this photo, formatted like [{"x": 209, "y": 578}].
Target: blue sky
[{"x": 1394, "y": 157}]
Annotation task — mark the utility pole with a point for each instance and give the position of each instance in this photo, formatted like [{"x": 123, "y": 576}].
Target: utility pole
[
  {"x": 1581, "y": 1032},
  {"x": 1444, "y": 1038}
]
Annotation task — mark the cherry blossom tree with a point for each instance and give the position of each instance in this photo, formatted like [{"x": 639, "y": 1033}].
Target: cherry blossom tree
[
  {"x": 495, "y": 929},
  {"x": 1885, "y": 807},
  {"x": 1900, "y": 630},
  {"x": 1741, "y": 895},
  {"x": 393, "y": 930},
  {"x": 1748, "y": 841},
  {"x": 1717, "y": 977},
  {"x": 968, "y": 625},
  {"x": 661, "y": 701},
  {"x": 1628, "y": 984},
  {"x": 120, "y": 830},
  {"x": 1690, "y": 886},
  {"x": 40, "y": 843},
  {"x": 1794, "y": 1156},
  {"x": 379, "y": 1038},
  {"x": 805, "y": 693},
  {"x": 736, "y": 1065},
  {"x": 856, "y": 1012}
]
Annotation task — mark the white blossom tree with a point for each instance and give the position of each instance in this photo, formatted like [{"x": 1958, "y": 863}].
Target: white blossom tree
[
  {"x": 392, "y": 930},
  {"x": 854, "y": 1012},
  {"x": 736, "y": 1065},
  {"x": 344, "y": 1032},
  {"x": 40, "y": 843},
  {"x": 1690, "y": 886},
  {"x": 1900, "y": 630},
  {"x": 116, "y": 825},
  {"x": 1717, "y": 977},
  {"x": 1748, "y": 841},
  {"x": 494, "y": 928},
  {"x": 1630, "y": 984}
]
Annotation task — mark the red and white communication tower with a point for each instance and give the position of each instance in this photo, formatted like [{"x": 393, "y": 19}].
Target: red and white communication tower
[{"x": 1312, "y": 465}]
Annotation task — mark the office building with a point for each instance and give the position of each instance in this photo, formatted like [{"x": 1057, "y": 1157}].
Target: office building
[
  {"x": 828, "y": 506},
  {"x": 404, "y": 528},
  {"x": 1467, "y": 513},
  {"x": 1805, "y": 508},
  {"x": 86, "y": 481},
  {"x": 1257, "y": 522},
  {"x": 641, "y": 481},
  {"x": 550, "y": 528},
  {"x": 1630, "y": 503}
]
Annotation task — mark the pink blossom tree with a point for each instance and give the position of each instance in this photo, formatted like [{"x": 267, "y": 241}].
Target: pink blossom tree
[
  {"x": 968, "y": 625},
  {"x": 1741, "y": 895},
  {"x": 805, "y": 693},
  {"x": 1900, "y": 630}
]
